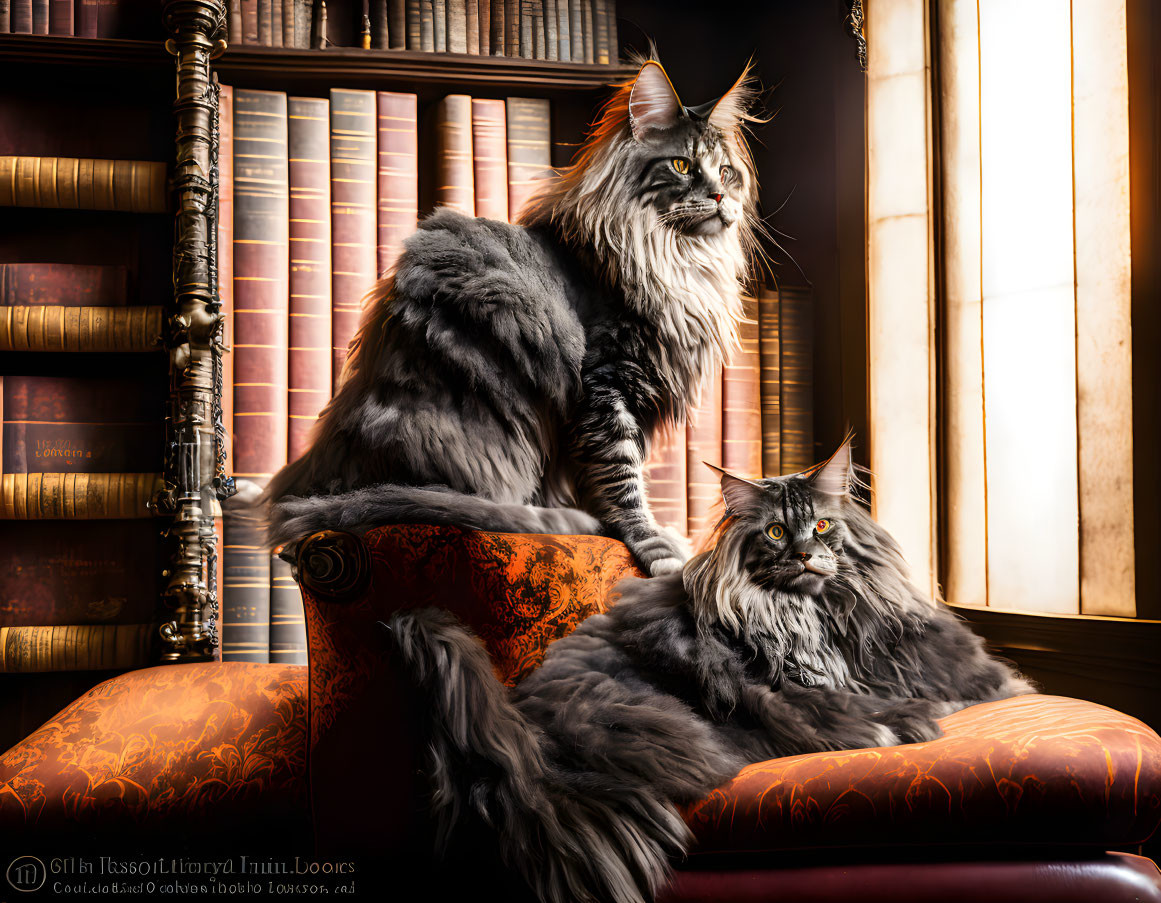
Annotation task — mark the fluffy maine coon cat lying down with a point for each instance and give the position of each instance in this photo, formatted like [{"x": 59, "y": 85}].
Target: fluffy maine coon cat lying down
[{"x": 797, "y": 632}]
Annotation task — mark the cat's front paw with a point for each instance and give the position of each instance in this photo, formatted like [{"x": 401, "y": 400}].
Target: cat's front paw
[
  {"x": 657, "y": 554},
  {"x": 913, "y": 721}
]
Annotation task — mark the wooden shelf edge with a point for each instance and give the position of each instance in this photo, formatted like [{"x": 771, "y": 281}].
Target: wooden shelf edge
[{"x": 333, "y": 64}]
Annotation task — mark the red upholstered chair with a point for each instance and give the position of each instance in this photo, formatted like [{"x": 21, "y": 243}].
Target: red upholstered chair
[{"x": 1018, "y": 801}]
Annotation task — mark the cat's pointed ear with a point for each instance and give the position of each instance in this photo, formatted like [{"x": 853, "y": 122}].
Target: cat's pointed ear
[
  {"x": 732, "y": 106},
  {"x": 653, "y": 104},
  {"x": 834, "y": 476},
  {"x": 740, "y": 495}
]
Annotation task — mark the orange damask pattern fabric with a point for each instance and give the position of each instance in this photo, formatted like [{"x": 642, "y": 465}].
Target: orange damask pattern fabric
[
  {"x": 1034, "y": 769},
  {"x": 220, "y": 744},
  {"x": 519, "y": 592}
]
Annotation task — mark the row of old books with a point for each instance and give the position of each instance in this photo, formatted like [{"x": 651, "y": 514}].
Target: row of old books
[
  {"x": 754, "y": 418},
  {"x": 317, "y": 196},
  {"x": 80, "y": 18},
  {"x": 579, "y": 31}
]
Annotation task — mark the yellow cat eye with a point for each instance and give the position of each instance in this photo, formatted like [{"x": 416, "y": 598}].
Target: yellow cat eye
[
  {"x": 681, "y": 165},
  {"x": 824, "y": 525},
  {"x": 776, "y": 531}
]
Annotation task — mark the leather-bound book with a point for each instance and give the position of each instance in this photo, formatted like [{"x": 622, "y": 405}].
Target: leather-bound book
[
  {"x": 587, "y": 30},
  {"x": 61, "y": 17},
  {"x": 564, "y": 30},
  {"x": 76, "y": 496},
  {"x": 414, "y": 25},
  {"x": 497, "y": 28},
  {"x": 75, "y": 647},
  {"x": 245, "y": 625},
  {"x": 453, "y": 163},
  {"x": 68, "y": 572},
  {"x": 310, "y": 360},
  {"x": 234, "y": 23},
  {"x": 511, "y": 27},
  {"x": 665, "y": 479},
  {"x": 472, "y": 23},
  {"x": 397, "y": 24},
  {"x": 74, "y": 424},
  {"x": 40, "y": 16},
  {"x": 576, "y": 29},
  {"x": 490, "y": 158},
  {"x": 485, "y": 16},
  {"x": 770, "y": 380},
  {"x": 276, "y": 8},
  {"x": 261, "y": 292},
  {"x": 398, "y": 173},
  {"x": 266, "y": 21},
  {"x": 439, "y": 24},
  {"x": 551, "y": 38},
  {"x": 528, "y": 11},
  {"x": 53, "y": 328},
  {"x": 226, "y": 260},
  {"x": 457, "y": 27},
  {"x": 287, "y": 622},
  {"x": 63, "y": 284},
  {"x": 380, "y": 25},
  {"x": 5, "y": 16},
  {"x": 426, "y": 25},
  {"x": 249, "y": 22},
  {"x": 22, "y": 16},
  {"x": 529, "y": 149},
  {"x": 286, "y": 39},
  {"x": 611, "y": 33},
  {"x": 797, "y": 372},
  {"x": 601, "y": 31},
  {"x": 741, "y": 401},
  {"x": 703, "y": 438},
  {"x": 130, "y": 185},
  {"x": 353, "y": 210}
]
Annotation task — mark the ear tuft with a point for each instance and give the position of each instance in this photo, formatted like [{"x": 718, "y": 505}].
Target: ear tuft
[
  {"x": 732, "y": 107},
  {"x": 653, "y": 104},
  {"x": 740, "y": 495},
  {"x": 834, "y": 476}
]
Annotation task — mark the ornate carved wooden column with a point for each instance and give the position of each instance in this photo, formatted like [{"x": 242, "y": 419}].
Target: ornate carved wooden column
[{"x": 195, "y": 462}]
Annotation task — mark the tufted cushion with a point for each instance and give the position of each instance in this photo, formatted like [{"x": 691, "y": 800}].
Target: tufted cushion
[
  {"x": 176, "y": 747},
  {"x": 1034, "y": 769}
]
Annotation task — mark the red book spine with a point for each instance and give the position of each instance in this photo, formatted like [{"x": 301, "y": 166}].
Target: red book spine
[
  {"x": 797, "y": 344},
  {"x": 60, "y": 17},
  {"x": 249, "y": 22},
  {"x": 453, "y": 156},
  {"x": 310, "y": 268},
  {"x": 398, "y": 194},
  {"x": 109, "y": 14},
  {"x": 63, "y": 285},
  {"x": 353, "y": 206},
  {"x": 741, "y": 401},
  {"x": 66, "y": 572},
  {"x": 261, "y": 292},
  {"x": 665, "y": 479},
  {"x": 226, "y": 259},
  {"x": 529, "y": 149},
  {"x": 704, "y": 446},
  {"x": 60, "y": 424},
  {"x": 490, "y": 158},
  {"x": 87, "y": 12}
]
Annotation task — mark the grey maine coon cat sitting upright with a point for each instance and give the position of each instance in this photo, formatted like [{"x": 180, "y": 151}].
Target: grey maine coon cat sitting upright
[{"x": 512, "y": 377}]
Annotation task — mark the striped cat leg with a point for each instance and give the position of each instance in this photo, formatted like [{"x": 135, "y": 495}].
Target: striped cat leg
[{"x": 609, "y": 447}]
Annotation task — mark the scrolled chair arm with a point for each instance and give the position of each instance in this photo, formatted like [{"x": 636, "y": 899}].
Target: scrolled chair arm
[{"x": 334, "y": 566}]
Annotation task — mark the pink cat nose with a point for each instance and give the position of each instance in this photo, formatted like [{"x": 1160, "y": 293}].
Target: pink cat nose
[{"x": 717, "y": 198}]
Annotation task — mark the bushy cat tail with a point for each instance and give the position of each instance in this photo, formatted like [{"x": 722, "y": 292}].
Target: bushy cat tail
[
  {"x": 486, "y": 761},
  {"x": 292, "y": 518}
]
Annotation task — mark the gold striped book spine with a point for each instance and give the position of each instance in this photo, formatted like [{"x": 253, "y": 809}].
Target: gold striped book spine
[
  {"x": 704, "y": 446},
  {"x": 79, "y": 496},
  {"x": 797, "y": 377},
  {"x": 454, "y": 182},
  {"x": 134, "y": 186},
  {"x": 770, "y": 379},
  {"x": 287, "y": 622},
  {"x": 665, "y": 479},
  {"x": 398, "y": 152},
  {"x": 529, "y": 149},
  {"x": 52, "y": 328},
  {"x": 245, "y": 619},
  {"x": 74, "y": 647},
  {"x": 741, "y": 401},
  {"x": 490, "y": 158},
  {"x": 353, "y": 204},
  {"x": 310, "y": 362}
]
